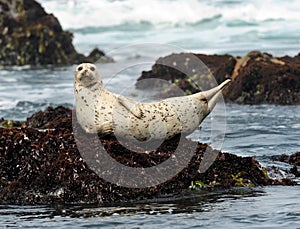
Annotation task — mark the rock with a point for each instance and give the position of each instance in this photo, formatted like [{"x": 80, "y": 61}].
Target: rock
[
  {"x": 293, "y": 159},
  {"x": 30, "y": 36},
  {"x": 295, "y": 171},
  {"x": 257, "y": 78},
  {"x": 263, "y": 79},
  {"x": 42, "y": 167},
  {"x": 285, "y": 181},
  {"x": 185, "y": 68},
  {"x": 98, "y": 56},
  {"x": 50, "y": 118}
]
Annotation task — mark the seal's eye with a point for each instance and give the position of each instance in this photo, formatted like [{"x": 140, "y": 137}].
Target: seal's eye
[
  {"x": 80, "y": 68},
  {"x": 92, "y": 69}
]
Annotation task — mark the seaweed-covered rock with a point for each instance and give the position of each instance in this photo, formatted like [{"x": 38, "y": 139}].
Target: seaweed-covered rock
[
  {"x": 30, "y": 36},
  {"x": 261, "y": 78},
  {"x": 46, "y": 166},
  {"x": 51, "y": 118},
  {"x": 191, "y": 72},
  {"x": 257, "y": 78},
  {"x": 293, "y": 159}
]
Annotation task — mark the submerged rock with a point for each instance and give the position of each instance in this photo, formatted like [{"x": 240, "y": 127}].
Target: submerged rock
[
  {"x": 257, "y": 78},
  {"x": 30, "y": 36},
  {"x": 293, "y": 159},
  {"x": 40, "y": 163}
]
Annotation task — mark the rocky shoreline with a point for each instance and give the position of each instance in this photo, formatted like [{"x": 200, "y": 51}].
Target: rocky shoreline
[
  {"x": 30, "y": 36},
  {"x": 40, "y": 164},
  {"x": 257, "y": 78},
  {"x": 39, "y": 158}
]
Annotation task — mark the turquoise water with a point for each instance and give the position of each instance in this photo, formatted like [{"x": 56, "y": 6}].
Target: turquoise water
[{"x": 135, "y": 37}]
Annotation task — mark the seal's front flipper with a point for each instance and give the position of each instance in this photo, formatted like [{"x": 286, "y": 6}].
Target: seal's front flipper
[
  {"x": 105, "y": 128},
  {"x": 131, "y": 106}
]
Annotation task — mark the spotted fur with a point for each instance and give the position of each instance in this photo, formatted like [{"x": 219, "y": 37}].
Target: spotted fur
[{"x": 101, "y": 111}]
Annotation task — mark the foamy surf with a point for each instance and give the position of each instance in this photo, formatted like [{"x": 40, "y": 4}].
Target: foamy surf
[{"x": 76, "y": 14}]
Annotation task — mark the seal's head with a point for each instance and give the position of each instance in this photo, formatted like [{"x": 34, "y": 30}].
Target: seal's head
[{"x": 86, "y": 74}]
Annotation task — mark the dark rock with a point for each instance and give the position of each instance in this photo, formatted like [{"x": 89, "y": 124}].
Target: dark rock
[
  {"x": 46, "y": 166},
  {"x": 285, "y": 181},
  {"x": 293, "y": 159},
  {"x": 257, "y": 78},
  {"x": 30, "y": 36},
  {"x": 295, "y": 171},
  {"x": 221, "y": 66},
  {"x": 51, "y": 118},
  {"x": 98, "y": 56},
  {"x": 260, "y": 78},
  {"x": 291, "y": 60},
  {"x": 191, "y": 72},
  {"x": 282, "y": 158}
]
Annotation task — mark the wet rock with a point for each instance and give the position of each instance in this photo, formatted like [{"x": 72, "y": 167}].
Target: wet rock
[
  {"x": 51, "y": 118},
  {"x": 295, "y": 171},
  {"x": 191, "y": 72},
  {"x": 285, "y": 181},
  {"x": 257, "y": 78},
  {"x": 46, "y": 166},
  {"x": 10, "y": 123},
  {"x": 30, "y": 36},
  {"x": 98, "y": 56},
  {"x": 262, "y": 78},
  {"x": 293, "y": 159}
]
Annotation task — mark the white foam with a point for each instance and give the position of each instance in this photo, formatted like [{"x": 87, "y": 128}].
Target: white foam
[
  {"x": 74, "y": 14},
  {"x": 89, "y": 13}
]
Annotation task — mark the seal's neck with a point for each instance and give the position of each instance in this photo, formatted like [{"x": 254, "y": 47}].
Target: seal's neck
[
  {"x": 95, "y": 85},
  {"x": 92, "y": 87}
]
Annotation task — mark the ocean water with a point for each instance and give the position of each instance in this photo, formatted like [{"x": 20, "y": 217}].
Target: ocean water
[
  {"x": 208, "y": 26},
  {"x": 135, "y": 34},
  {"x": 269, "y": 207}
]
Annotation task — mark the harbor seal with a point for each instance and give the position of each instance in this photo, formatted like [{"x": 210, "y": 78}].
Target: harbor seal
[{"x": 103, "y": 112}]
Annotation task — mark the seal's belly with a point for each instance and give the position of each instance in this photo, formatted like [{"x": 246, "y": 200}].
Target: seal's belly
[
  {"x": 160, "y": 120},
  {"x": 153, "y": 125}
]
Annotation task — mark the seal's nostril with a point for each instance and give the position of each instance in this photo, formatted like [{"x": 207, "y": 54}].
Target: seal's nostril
[{"x": 80, "y": 68}]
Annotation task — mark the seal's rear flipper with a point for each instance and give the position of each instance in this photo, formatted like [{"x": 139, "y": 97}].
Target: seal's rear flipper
[
  {"x": 131, "y": 105},
  {"x": 213, "y": 94}
]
